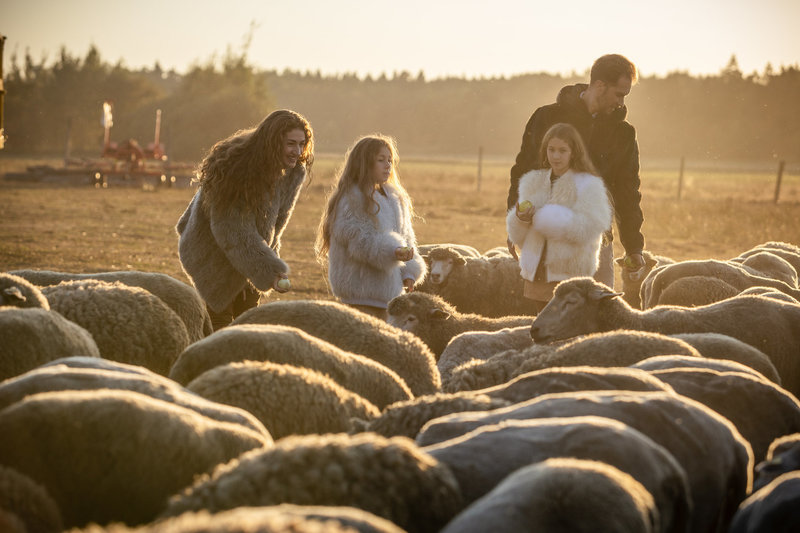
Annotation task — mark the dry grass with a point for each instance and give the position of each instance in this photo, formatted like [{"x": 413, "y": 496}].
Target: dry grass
[{"x": 78, "y": 228}]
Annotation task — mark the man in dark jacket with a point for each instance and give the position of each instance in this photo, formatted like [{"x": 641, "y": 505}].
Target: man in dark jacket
[{"x": 598, "y": 112}]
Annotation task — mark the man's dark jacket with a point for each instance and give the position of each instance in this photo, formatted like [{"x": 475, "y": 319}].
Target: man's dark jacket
[{"x": 612, "y": 146}]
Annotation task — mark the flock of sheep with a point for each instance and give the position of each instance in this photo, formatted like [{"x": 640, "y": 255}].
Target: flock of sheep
[{"x": 669, "y": 407}]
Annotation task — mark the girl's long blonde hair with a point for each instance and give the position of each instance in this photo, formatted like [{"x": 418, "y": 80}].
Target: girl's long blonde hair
[
  {"x": 579, "y": 160},
  {"x": 356, "y": 173}
]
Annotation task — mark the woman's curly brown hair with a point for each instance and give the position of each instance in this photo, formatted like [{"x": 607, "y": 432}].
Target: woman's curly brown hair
[{"x": 240, "y": 169}]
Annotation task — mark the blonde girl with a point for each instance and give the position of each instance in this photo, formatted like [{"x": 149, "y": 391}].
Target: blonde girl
[
  {"x": 365, "y": 234},
  {"x": 560, "y": 216}
]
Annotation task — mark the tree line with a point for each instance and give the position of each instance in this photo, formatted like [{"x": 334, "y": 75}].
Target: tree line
[{"x": 52, "y": 106}]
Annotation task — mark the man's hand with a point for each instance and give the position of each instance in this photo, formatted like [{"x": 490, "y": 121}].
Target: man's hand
[
  {"x": 408, "y": 284},
  {"x": 282, "y": 284},
  {"x": 512, "y": 249},
  {"x": 633, "y": 261}
]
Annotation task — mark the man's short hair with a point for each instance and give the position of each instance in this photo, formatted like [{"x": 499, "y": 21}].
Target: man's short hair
[{"x": 610, "y": 67}]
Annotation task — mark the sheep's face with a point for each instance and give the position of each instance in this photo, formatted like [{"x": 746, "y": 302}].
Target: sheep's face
[
  {"x": 573, "y": 311},
  {"x": 405, "y": 321},
  {"x": 440, "y": 269}
]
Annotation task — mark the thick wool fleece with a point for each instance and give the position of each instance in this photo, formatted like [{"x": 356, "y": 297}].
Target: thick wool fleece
[
  {"x": 222, "y": 249},
  {"x": 362, "y": 267},
  {"x": 570, "y": 215}
]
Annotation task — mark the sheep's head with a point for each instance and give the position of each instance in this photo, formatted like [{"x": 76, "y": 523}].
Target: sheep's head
[
  {"x": 573, "y": 311},
  {"x": 443, "y": 259},
  {"x": 412, "y": 310}
]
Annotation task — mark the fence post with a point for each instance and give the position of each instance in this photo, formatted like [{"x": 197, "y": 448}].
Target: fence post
[
  {"x": 68, "y": 142},
  {"x": 680, "y": 178},
  {"x": 778, "y": 181},
  {"x": 480, "y": 166}
]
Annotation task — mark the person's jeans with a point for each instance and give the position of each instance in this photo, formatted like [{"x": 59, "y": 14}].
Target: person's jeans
[{"x": 247, "y": 299}]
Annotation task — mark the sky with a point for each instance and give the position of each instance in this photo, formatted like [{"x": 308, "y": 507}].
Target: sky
[{"x": 465, "y": 38}]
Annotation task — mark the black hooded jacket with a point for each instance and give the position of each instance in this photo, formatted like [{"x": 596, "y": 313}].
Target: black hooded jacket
[{"x": 612, "y": 146}]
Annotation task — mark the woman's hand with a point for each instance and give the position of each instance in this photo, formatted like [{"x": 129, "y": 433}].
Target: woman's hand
[
  {"x": 404, "y": 253},
  {"x": 282, "y": 284},
  {"x": 408, "y": 284},
  {"x": 524, "y": 211}
]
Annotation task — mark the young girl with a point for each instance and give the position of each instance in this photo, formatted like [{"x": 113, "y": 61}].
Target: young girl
[
  {"x": 366, "y": 231},
  {"x": 230, "y": 233},
  {"x": 560, "y": 216}
]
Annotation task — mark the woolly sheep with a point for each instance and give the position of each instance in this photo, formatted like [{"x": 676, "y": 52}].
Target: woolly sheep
[
  {"x": 789, "y": 252},
  {"x": 769, "y": 292},
  {"x": 282, "y": 518},
  {"x": 405, "y": 419},
  {"x": 480, "y": 346},
  {"x": 632, "y": 280},
  {"x": 464, "y": 250},
  {"x": 497, "y": 251},
  {"x": 759, "y": 409},
  {"x": 288, "y": 345},
  {"x": 770, "y": 265},
  {"x": 34, "y": 335},
  {"x": 179, "y": 296},
  {"x": 435, "y": 321},
  {"x": 718, "y": 481},
  {"x": 355, "y": 332},
  {"x": 497, "y": 369},
  {"x": 562, "y": 495},
  {"x": 286, "y": 399},
  {"x": 107, "y": 455},
  {"x": 129, "y": 324},
  {"x": 85, "y": 373},
  {"x": 391, "y": 478},
  {"x": 694, "y": 291},
  {"x": 581, "y": 306},
  {"x": 488, "y": 286},
  {"x": 483, "y": 458},
  {"x": 666, "y": 362},
  {"x": 719, "y": 346},
  {"x": 783, "y": 456},
  {"x": 29, "y": 502},
  {"x": 19, "y": 292},
  {"x": 773, "y": 508}
]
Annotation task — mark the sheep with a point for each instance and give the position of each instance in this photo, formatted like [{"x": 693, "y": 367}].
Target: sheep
[
  {"x": 632, "y": 279},
  {"x": 435, "y": 321},
  {"x": 488, "y": 286},
  {"x": 85, "y": 373},
  {"x": 404, "y": 419},
  {"x": 497, "y": 369},
  {"x": 355, "y": 332},
  {"x": 288, "y": 345},
  {"x": 759, "y": 409},
  {"x": 281, "y": 518},
  {"x": 695, "y": 291},
  {"x": 483, "y": 458},
  {"x": 391, "y": 478},
  {"x": 718, "y": 481},
  {"x": 29, "y": 502},
  {"x": 773, "y": 508},
  {"x": 719, "y": 346},
  {"x": 129, "y": 324},
  {"x": 179, "y": 296},
  {"x": 480, "y": 346},
  {"x": 770, "y": 265},
  {"x": 562, "y": 495},
  {"x": 665, "y": 362},
  {"x": 783, "y": 456},
  {"x": 286, "y": 399},
  {"x": 34, "y": 335},
  {"x": 111, "y": 455},
  {"x": 582, "y": 305},
  {"x": 789, "y": 252},
  {"x": 464, "y": 250},
  {"x": 732, "y": 273},
  {"x": 19, "y": 292},
  {"x": 769, "y": 292}
]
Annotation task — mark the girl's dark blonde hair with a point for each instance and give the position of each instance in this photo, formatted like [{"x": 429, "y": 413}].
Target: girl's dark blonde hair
[
  {"x": 356, "y": 173},
  {"x": 579, "y": 159},
  {"x": 240, "y": 169}
]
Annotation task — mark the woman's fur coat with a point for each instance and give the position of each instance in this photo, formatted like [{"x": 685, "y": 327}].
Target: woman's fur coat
[
  {"x": 571, "y": 215},
  {"x": 221, "y": 248},
  {"x": 362, "y": 268}
]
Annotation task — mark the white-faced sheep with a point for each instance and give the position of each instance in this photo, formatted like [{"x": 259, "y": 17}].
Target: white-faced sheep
[
  {"x": 759, "y": 409},
  {"x": 435, "y": 321},
  {"x": 94, "y": 373},
  {"x": 719, "y": 346},
  {"x": 632, "y": 279},
  {"x": 108, "y": 455},
  {"x": 287, "y": 345},
  {"x": 391, "y": 478},
  {"x": 480, "y": 346},
  {"x": 488, "y": 286},
  {"x": 179, "y": 296},
  {"x": 562, "y": 495},
  {"x": 355, "y": 332},
  {"x": 772, "y": 508},
  {"x": 33, "y": 336},
  {"x": 481, "y": 459},
  {"x": 581, "y": 306},
  {"x": 287, "y": 399},
  {"x": 29, "y": 502},
  {"x": 19, "y": 292},
  {"x": 685, "y": 427}
]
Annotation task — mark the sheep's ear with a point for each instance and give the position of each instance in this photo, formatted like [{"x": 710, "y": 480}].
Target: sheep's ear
[
  {"x": 438, "y": 314},
  {"x": 602, "y": 293},
  {"x": 459, "y": 261},
  {"x": 13, "y": 294}
]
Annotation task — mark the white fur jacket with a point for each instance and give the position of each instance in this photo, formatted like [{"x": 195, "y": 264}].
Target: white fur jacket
[
  {"x": 221, "y": 250},
  {"x": 570, "y": 214},
  {"x": 362, "y": 268}
]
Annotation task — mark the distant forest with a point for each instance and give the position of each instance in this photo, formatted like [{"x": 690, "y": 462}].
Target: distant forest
[{"x": 727, "y": 116}]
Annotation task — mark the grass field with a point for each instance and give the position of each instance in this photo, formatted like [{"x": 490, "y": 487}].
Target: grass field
[{"x": 78, "y": 228}]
